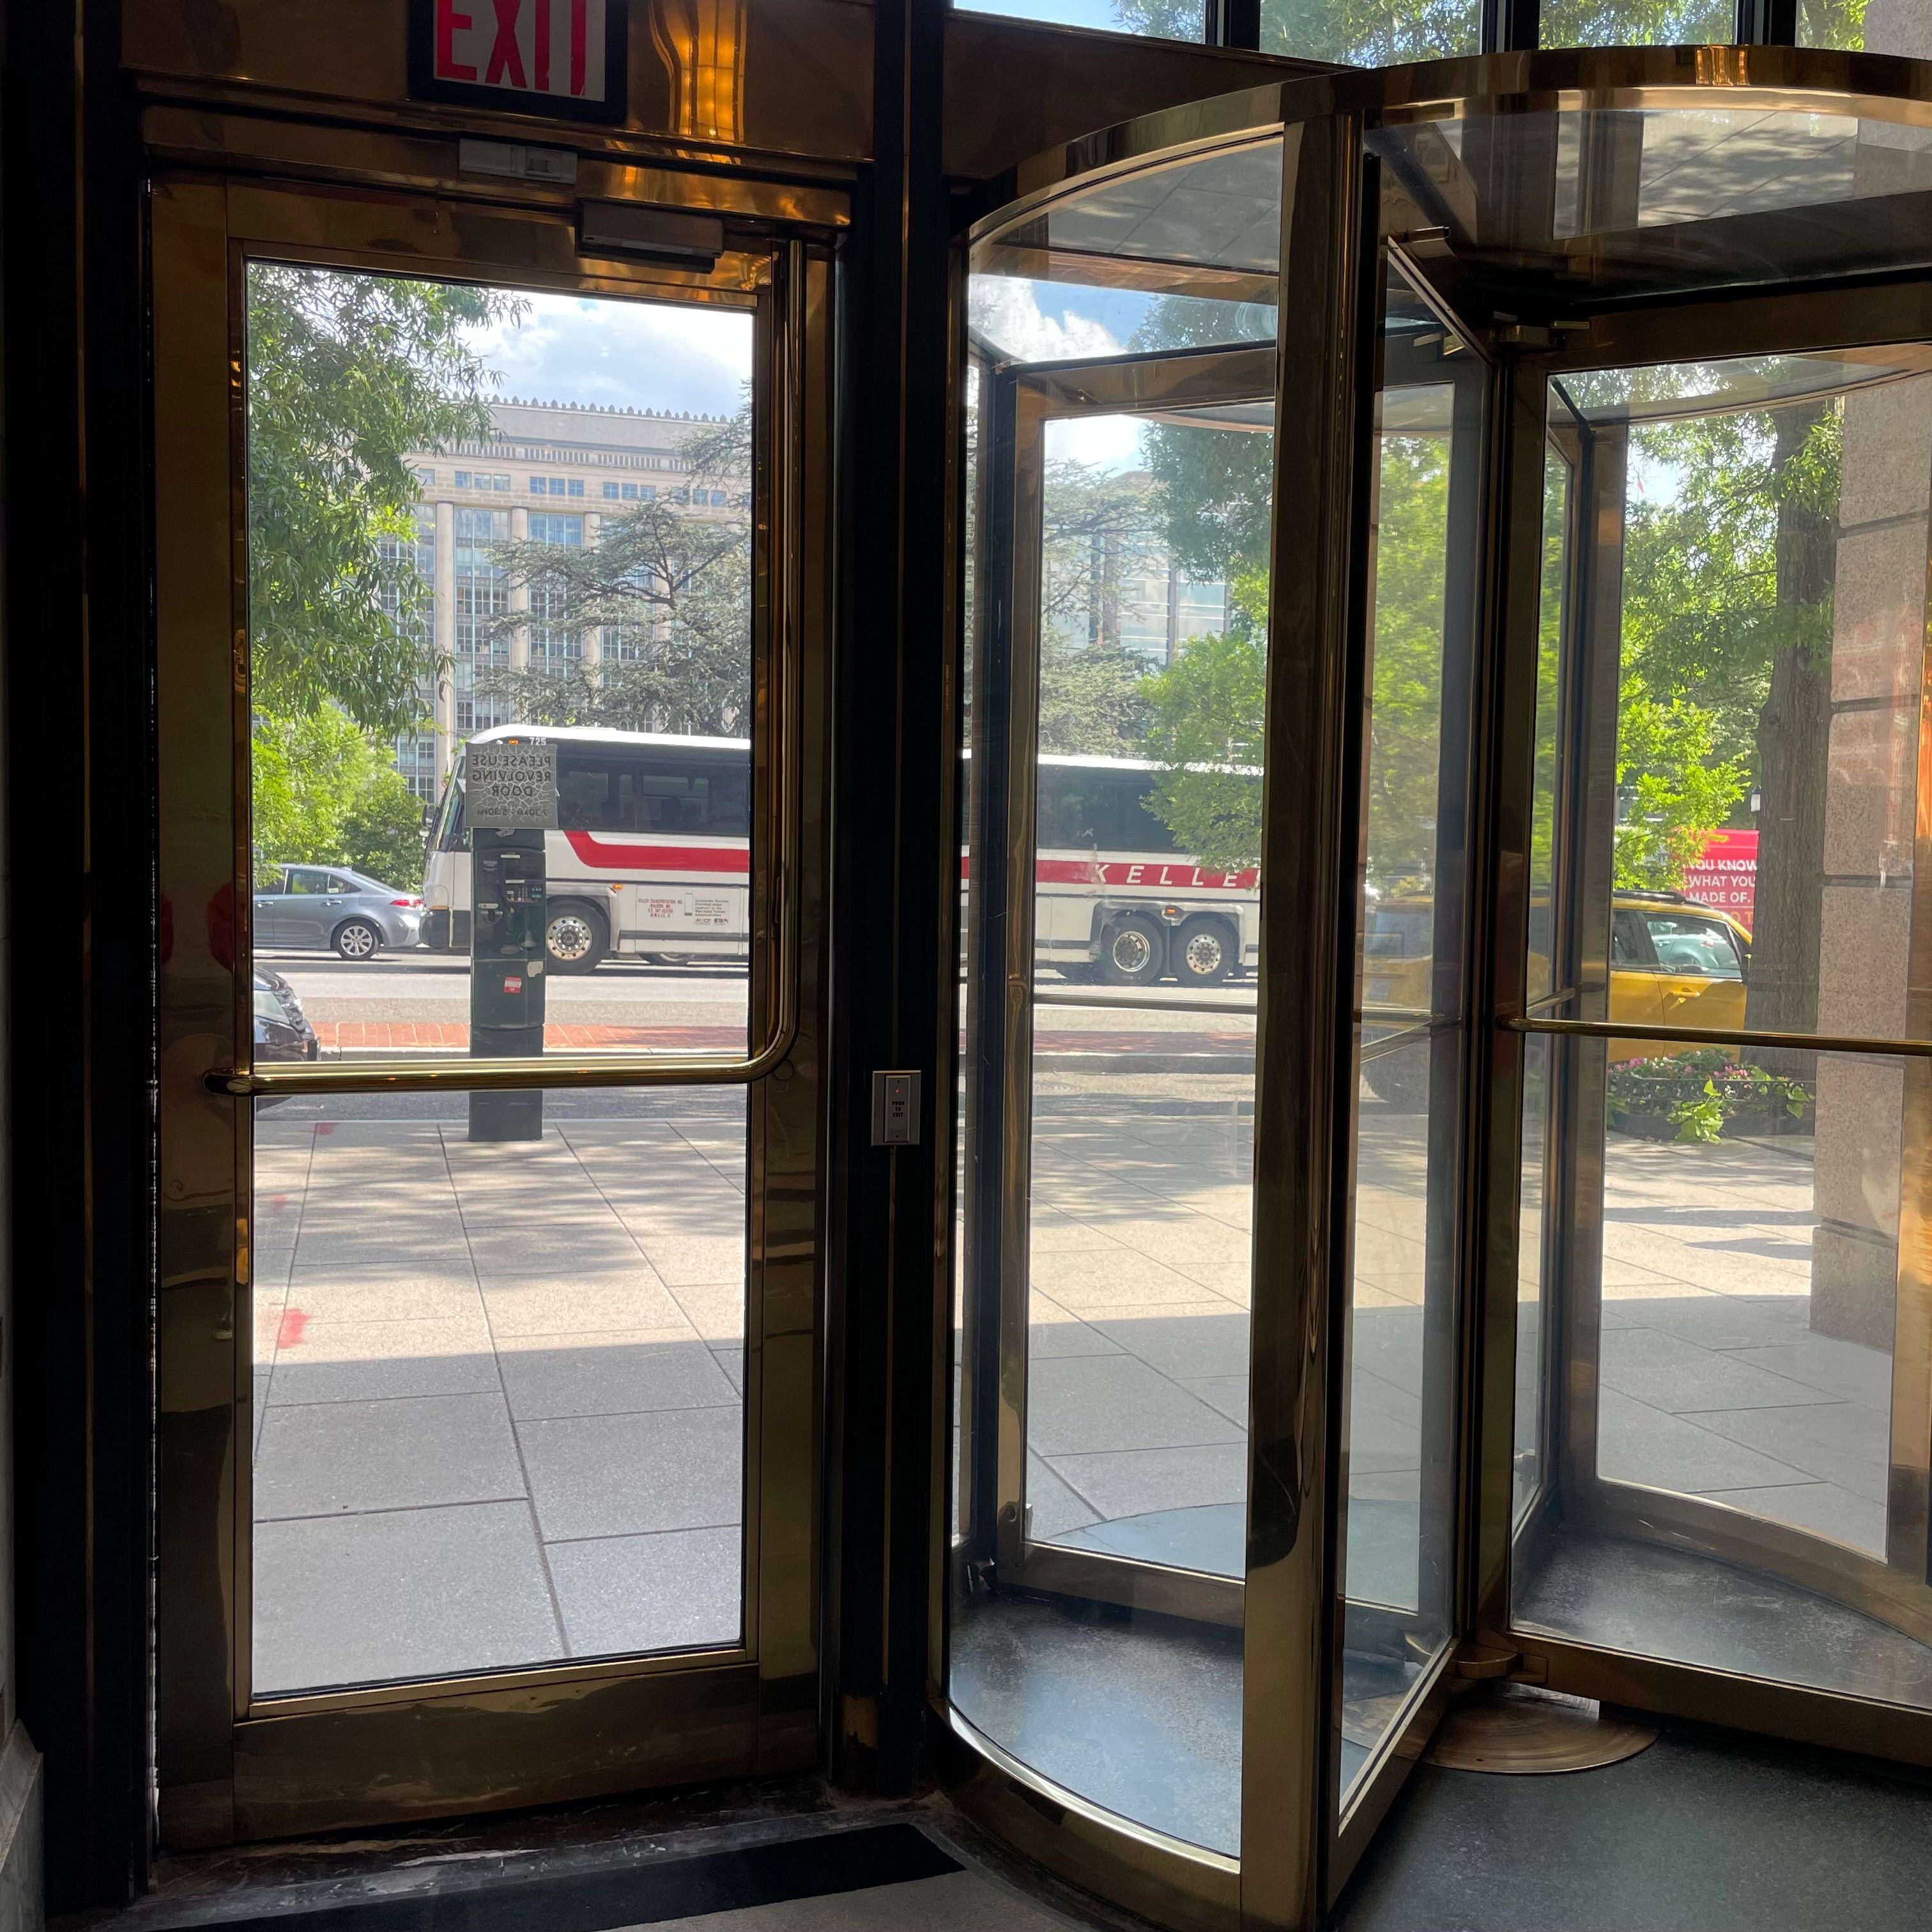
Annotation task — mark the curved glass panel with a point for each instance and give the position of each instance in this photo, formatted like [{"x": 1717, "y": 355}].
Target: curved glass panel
[
  {"x": 1183, "y": 254},
  {"x": 1567, "y": 207},
  {"x": 1120, "y": 404}
]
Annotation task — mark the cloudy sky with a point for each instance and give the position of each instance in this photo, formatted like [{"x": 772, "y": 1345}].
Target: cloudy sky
[{"x": 654, "y": 355}]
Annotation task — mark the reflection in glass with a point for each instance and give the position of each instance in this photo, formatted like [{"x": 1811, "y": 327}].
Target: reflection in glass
[
  {"x": 1635, "y": 23},
  {"x": 1162, "y": 19},
  {"x": 498, "y": 1408},
  {"x": 1126, "y": 1335},
  {"x": 1357, "y": 35}
]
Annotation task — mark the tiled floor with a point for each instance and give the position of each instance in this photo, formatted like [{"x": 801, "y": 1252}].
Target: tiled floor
[
  {"x": 1713, "y": 1382},
  {"x": 497, "y": 1417}
]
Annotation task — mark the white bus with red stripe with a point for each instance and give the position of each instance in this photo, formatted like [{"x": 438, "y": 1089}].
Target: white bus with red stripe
[
  {"x": 1116, "y": 899},
  {"x": 651, "y": 859}
]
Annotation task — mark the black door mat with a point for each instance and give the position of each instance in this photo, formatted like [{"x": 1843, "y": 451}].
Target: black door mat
[{"x": 809, "y": 1868}]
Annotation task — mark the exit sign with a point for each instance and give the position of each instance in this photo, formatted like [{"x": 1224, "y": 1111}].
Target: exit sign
[{"x": 552, "y": 58}]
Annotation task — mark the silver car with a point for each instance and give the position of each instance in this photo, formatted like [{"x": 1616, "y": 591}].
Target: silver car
[{"x": 318, "y": 908}]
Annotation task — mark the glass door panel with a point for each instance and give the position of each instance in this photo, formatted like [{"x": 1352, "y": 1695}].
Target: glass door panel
[
  {"x": 1116, "y": 739},
  {"x": 1401, "y": 1385},
  {"x": 1737, "y": 1478},
  {"x": 499, "y": 1359}
]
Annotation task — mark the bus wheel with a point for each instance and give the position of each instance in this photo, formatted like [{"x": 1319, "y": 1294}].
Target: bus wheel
[
  {"x": 574, "y": 940},
  {"x": 1132, "y": 954},
  {"x": 1203, "y": 952}
]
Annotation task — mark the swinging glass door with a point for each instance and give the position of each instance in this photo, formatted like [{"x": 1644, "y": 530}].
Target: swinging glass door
[{"x": 488, "y": 1355}]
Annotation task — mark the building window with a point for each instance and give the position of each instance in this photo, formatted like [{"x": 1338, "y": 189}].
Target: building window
[
  {"x": 680, "y": 495},
  {"x": 576, "y": 486},
  {"x": 463, "y": 479},
  {"x": 551, "y": 527},
  {"x": 482, "y": 587},
  {"x": 427, "y": 478},
  {"x": 610, "y": 490},
  {"x": 647, "y": 493}
]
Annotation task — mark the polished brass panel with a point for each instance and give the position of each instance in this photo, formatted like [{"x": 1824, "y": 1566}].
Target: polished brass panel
[
  {"x": 202, "y": 1230},
  {"x": 229, "y": 1766},
  {"x": 431, "y": 163},
  {"x": 1305, "y": 990},
  {"x": 1519, "y": 1731},
  {"x": 1012, "y": 85},
  {"x": 799, "y": 85},
  {"x": 481, "y": 1751}
]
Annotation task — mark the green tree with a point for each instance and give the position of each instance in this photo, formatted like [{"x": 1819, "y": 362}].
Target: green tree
[
  {"x": 1729, "y": 581},
  {"x": 349, "y": 375},
  {"x": 1598, "y": 23},
  {"x": 1100, "y": 528},
  {"x": 1092, "y": 699},
  {"x": 668, "y": 589},
  {"x": 1205, "y": 727},
  {"x": 1674, "y": 790},
  {"x": 326, "y": 793},
  {"x": 1361, "y": 33}
]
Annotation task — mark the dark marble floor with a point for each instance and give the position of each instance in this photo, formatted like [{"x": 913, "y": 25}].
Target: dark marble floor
[{"x": 1704, "y": 1831}]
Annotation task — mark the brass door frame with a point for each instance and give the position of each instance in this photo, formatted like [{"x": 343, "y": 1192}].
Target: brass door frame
[
  {"x": 231, "y": 1765},
  {"x": 1893, "y": 1591}
]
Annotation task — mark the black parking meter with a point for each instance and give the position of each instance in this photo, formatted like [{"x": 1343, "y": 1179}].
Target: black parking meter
[
  {"x": 509, "y": 802},
  {"x": 506, "y": 982}
]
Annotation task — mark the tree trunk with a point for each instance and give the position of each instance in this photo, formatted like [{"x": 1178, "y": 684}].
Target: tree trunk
[{"x": 1793, "y": 741}]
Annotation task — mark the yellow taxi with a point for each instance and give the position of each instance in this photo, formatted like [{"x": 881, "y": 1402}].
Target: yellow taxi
[{"x": 1673, "y": 962}]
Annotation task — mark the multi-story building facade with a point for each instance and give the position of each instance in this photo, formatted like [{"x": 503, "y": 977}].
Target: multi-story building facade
[{"x": 550, "y": 472}]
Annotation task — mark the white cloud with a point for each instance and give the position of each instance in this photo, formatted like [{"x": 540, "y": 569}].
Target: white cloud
[
  {"x": 655, "y": 355},
  {"x": 1110, "y": 443},
  {"x": 1006, "y": 311}
]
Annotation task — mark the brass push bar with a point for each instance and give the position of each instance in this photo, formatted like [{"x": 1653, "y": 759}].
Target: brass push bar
[{"x": 1801, "y": 1042}]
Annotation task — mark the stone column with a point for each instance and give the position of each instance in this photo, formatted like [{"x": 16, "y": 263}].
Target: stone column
[
  {"x": 1878, "y": 654},
  {"x": 520, "y": 591},
  {"x": 593, "y": 633},
  {"x": 1899, "y": 27},
  {"x": 442, "y": 639}
]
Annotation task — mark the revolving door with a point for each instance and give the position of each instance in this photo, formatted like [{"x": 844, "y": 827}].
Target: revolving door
[{"x": 1442, "y": 1073}]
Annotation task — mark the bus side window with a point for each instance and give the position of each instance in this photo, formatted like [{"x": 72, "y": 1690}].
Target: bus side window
[
  {"x": 728, "y": 800},
  {"x": 1134, "y": 827}
]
